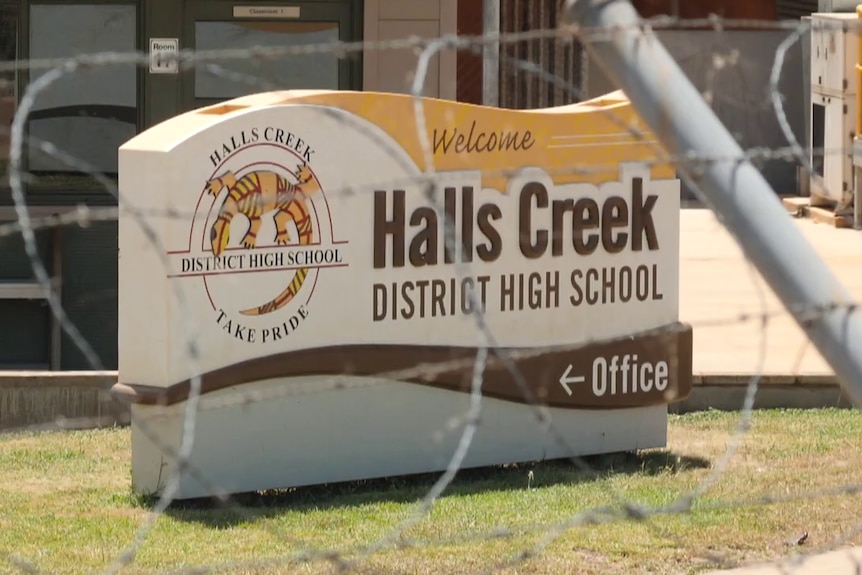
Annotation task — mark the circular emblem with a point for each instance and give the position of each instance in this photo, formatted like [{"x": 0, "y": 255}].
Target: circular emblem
[{"x": 261, "y": 233}]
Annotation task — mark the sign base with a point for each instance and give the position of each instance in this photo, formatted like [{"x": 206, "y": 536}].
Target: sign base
[
  {"x": 289, "y": 438},
  {"x": 295, "y": 257}
]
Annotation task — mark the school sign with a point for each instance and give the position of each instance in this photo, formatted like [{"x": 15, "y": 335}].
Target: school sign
[{"x": 317, "y": 271}]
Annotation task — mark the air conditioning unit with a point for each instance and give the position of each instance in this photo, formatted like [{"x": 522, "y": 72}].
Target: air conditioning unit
[{"x": 833, "y": 55}]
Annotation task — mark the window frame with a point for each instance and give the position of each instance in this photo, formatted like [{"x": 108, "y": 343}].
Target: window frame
[
  {"x": 350, "y": 68},
  {"x": 87, "y": 190},
  {"x": 16, "y": 5}
]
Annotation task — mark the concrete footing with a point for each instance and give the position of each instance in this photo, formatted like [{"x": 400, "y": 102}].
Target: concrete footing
[
  {"x": 58, "y": 400},
  {"x": 727, "y": 392}
]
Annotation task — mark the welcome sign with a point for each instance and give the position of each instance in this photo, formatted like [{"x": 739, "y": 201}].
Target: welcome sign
[{"x": 326, "y": 266}]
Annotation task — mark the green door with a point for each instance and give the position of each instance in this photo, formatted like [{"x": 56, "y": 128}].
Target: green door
[{"x": 273, "y": 30}]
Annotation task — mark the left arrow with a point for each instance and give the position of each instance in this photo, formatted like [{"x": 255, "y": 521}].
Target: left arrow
[{"x": 567, "y": 378}]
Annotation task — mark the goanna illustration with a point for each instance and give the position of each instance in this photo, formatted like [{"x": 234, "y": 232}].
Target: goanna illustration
[{"x": 258, "y": 194}]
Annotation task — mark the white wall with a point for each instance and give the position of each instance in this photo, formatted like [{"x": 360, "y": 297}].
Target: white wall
[{"x": 392, "y": 70}]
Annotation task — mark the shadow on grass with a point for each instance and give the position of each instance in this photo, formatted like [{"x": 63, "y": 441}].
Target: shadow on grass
[{"x": 411, "y": 488}]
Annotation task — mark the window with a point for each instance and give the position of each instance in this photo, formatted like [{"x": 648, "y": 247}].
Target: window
[
  {"x": 8, "y": 83},
  {"x": 21, "y": 302},
  {"x": 237, "y": 76},
  {"x": 818, "y": 137},
  {"x": 89, "y": 113}
]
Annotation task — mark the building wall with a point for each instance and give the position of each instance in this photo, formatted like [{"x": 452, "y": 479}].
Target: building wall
[
  {"x": 469, "y": 62},
  {"x": 393, "y": 70}
]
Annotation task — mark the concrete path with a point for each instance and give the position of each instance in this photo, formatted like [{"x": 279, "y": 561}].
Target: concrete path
[
  {"x": 838, "y": 562},
  {"x": 719, "y": 288}
]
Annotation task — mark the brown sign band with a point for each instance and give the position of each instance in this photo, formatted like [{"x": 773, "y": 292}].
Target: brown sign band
[{"x": 650, "y": 368}]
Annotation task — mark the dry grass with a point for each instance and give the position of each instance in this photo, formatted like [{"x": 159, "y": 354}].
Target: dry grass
[{"x": 65, "y": 507}]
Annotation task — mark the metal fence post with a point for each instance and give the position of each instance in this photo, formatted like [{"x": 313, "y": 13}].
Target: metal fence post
[
  {"x": 725, "y": 180},
  {"x": 491, "y": 54}
]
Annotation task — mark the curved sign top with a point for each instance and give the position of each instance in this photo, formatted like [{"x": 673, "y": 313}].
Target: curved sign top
[{"x": 299, "y": 233}]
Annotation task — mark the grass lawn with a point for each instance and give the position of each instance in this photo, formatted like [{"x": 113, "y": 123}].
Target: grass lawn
[{"x": 66, "y": 507}]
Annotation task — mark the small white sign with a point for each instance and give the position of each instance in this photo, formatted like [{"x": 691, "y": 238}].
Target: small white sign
[
  {"x": 163, "y": 55},
  {"x": 266, "y": 11}
]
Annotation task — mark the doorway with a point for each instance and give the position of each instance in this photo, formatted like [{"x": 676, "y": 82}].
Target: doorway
[{"x": 270, "y": 34}]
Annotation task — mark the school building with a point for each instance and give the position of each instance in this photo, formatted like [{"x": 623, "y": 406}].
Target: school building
[{"x": 88, "y": 113}]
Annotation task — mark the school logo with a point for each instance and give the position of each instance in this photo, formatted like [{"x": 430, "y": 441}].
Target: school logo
[{"x": 261, "y": 236}]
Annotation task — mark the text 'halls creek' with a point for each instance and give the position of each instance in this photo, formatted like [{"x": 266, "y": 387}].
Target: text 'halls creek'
[{"x": 546, "y": 228}]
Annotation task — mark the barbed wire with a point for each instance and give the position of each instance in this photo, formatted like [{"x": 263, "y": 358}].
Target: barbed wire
[{"x": 489, "y": 354}]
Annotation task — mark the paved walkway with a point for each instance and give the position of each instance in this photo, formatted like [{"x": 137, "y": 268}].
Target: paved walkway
[
  {"x": 839, "y": 562},
  {"x": 718, "y": 287}
]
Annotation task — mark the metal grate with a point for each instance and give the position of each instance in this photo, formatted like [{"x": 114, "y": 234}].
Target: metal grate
[
  {"x": 538, "y": 73},
  {"x": 794, "y": 9}
]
